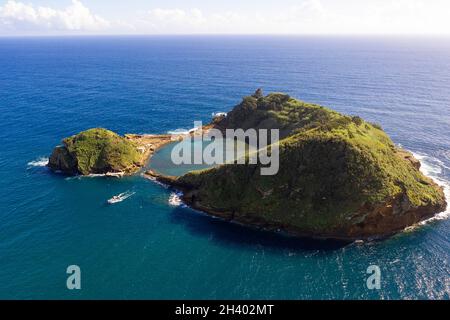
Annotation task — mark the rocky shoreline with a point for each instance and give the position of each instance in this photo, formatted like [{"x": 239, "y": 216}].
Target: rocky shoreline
[
  {"x": 370, "y": 231},
  {"x": 145, "y": 146},
  {"x": 148, "y": 144},
  {"x": 140, "y": 148},
  {"x": 339, "y": 178},
  {"x": 369, "y": 220},
  {"x": 410, "y": 216}
]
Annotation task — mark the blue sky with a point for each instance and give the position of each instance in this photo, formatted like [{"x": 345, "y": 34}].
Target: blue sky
[{"x": 66, "y": 17}]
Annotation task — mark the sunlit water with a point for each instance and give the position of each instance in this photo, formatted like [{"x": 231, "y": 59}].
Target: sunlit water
[{"x": 150, "y": 245}]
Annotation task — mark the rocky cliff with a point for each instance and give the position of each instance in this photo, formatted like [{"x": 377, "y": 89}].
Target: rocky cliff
[
  {"x": 96, "y": 151},
  {"x": 340, "y": 176}
]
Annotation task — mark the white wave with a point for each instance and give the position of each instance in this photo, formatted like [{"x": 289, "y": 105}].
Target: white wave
[
  {"x": 93, "y": 175},
  {"x": 153, "y": 179},
  {"x": 39, "y": 162},
  {"x": 178, "y": 131},
  {"x": 175, "y": 199},
  {"x": 182, "y": 131},
  {"x": 98, "y": 175},
  {"x": 218, "y": 114},
  {"x": 433, "y": 168}
]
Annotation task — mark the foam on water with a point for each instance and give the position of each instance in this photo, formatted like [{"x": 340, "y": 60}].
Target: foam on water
[
  {"x": 121, "y": 197},
  {"x": 182, "y": 131},
  {"x": 433, "y": 168},
  {"x": 165, "y": 186},
  {"x": 92, "y": 175},
  {"x": 44, "y": 219},
  {"x": 39, "y": 162},
  {"x": 95, "y": 175},
  {"x": 175, "y": 199}
]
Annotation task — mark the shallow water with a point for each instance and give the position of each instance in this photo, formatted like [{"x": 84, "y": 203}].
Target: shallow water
[
  {"x": 146, "y": 247},
  {"x": 171, "y": 159}
]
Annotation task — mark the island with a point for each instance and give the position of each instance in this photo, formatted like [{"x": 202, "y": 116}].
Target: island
[
  {"x": 101, "y": 151},
  {"x": 340, "y": 177}
]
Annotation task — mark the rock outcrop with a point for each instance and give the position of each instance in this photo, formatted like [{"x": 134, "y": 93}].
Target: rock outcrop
[
  {"x": 339, "y": 177},
  {"x": 96, "y": 151}
]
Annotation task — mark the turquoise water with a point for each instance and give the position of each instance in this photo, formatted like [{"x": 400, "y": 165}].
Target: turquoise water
[
  {"x": 166, "y": 160},
  {"x": 144, "y": 247}
]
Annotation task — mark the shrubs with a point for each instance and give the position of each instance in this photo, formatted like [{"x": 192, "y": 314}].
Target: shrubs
[
  {"x": 357, "y": 120},
  {"x": 333, "y": 170},
  {"x": 273, "y": 101},
  {"x": 99, "y": 151}
]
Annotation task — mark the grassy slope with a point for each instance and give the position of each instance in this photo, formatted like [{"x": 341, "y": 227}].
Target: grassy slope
[
  {"x": 99, "y": 150},
  {"x": 330, "y": 165}
]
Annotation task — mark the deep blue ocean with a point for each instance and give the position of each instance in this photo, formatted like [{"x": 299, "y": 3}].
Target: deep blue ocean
[{"x": 146, "y": 248}]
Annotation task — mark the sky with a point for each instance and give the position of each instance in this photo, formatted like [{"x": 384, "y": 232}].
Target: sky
[{"x": 311, "y": 17}]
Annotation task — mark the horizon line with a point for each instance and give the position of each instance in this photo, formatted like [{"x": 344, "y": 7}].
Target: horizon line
[{"x": 391, "y": 35}]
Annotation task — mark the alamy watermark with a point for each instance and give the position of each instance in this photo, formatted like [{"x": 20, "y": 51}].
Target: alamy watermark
[
  {"x": 374, "y": 280},
  {"x": 74, "y": 279},
  {"x": 236, "y": 146}
]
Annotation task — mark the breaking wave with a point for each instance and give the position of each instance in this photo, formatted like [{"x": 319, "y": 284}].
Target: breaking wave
[
  {"x": 39, "y": 162},
  {"x": 96, "y": 175},
  {"x": 165, "y": 186},
  {"x": 175, "y": 199},
  {"x": 182, "y": 131},
  {"x": 434, "y": 168}
]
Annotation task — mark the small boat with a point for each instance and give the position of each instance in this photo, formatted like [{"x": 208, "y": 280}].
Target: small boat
[{"x": 120, "y": 197}]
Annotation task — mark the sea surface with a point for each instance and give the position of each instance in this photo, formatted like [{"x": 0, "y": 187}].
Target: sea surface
[{"x": 150, "y": 246}]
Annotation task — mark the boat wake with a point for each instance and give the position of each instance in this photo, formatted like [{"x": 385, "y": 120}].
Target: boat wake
[
  {"x": 120, "y": 197},
  {"x": 39, "y": 162}
]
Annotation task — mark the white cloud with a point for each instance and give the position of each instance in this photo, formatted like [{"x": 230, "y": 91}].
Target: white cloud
[
  {"x": 173, "y": 20},
  {"x": 310, "y": 17},
  {"x": 409, "y": 16},
  {"x": 19, "y": 17},
  {"x": 193, "y": 16},
  {"x": 305, "y": 17},
  {"x": 296, "y": 19}
]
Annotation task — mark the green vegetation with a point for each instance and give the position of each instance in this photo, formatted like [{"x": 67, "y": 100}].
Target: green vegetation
[
  {"x": 339, "y": 175},
  {"x": 96, "y": 151}
]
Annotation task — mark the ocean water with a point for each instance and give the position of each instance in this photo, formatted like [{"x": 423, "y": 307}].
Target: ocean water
[{"x": 150, "y": 246}]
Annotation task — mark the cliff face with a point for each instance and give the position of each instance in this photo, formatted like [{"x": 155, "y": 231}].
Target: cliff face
[
  {"x": 340, "y": 177},
  {"x": 96, "y": 151},
  {"x": 63, "y": 161}
]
